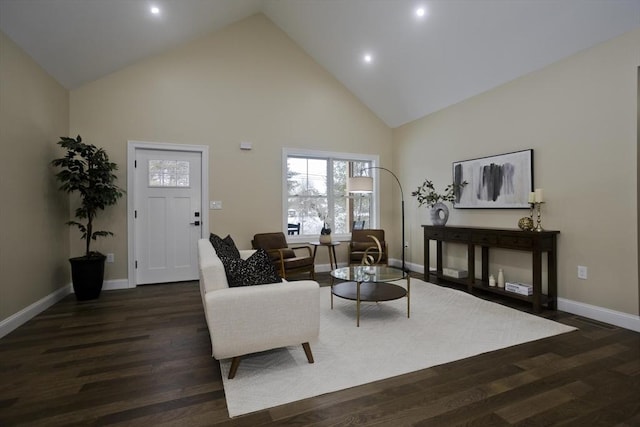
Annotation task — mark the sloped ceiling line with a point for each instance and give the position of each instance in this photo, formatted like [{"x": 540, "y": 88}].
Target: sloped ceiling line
[{"x": 419, "y": 65}]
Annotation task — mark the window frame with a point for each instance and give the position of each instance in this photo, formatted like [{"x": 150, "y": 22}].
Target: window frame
[{"x": 328, "y": 155}]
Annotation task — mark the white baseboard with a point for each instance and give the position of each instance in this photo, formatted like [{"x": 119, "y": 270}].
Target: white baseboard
[
  {"x": 112, "y": 285},
  {"x": 617, "y": 318},
  {"x": 605, "y": 315},
  {"x": 416, "y": 268},
  {"x": 14, "y": 321},
  {"x": 18, "y": 319}
]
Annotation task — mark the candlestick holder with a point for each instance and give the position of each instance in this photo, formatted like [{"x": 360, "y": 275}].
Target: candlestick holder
[
  {"x": 531, "y": 208},
  {"x": 539, "y": 216}
]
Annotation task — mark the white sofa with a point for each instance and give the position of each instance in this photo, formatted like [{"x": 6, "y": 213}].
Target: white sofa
[{"x": 250, "y": 319}]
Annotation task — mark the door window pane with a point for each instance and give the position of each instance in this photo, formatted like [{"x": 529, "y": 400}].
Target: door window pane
[{"x": 168, "y": 173}]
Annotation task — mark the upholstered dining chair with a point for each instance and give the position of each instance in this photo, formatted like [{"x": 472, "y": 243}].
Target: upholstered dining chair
[
  {"x": 362, "y": 244},
  {"x": 287, "y": 260}
]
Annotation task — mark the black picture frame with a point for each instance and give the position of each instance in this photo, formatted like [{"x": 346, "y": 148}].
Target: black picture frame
[{"x": 503, "y": 181}]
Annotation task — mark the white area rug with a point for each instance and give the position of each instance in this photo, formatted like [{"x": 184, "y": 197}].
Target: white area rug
[{"x": 445, "y": 325}]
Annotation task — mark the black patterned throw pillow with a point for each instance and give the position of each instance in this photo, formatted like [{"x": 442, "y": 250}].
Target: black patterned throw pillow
[
  {"x": 255, "y": 270},
  {"x": 225, "y": 248}
]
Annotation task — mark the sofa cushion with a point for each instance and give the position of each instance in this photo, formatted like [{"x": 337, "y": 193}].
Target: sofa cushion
[
  {"x": 255, "y": 270},
  {"x": 225, "y": 248}
]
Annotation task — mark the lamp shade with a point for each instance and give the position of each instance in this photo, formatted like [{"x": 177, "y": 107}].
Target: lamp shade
[{"x": 360, "y": 184}]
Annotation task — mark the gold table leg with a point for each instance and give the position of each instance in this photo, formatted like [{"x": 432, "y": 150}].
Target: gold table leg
[
  {"x": 408, "y": 296},
  {"x": 358, "y": 304},
  {"x": 332, "y": 296}
]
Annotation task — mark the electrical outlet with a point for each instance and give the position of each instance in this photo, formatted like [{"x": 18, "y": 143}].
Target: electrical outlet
[
  {"x": 582, "y": 272},
  {"x": 110, "y": 258}
]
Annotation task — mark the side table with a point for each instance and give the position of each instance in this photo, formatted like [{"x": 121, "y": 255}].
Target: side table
[{"x": 331, "y": 248}]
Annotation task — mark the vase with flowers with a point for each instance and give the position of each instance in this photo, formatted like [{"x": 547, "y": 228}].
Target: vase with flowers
[
  {"x": 426, "y": 194},
  {"x": 325, "y": 233}
]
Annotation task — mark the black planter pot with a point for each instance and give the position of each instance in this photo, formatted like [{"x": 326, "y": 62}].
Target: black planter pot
[{"x": 87, "y": 275}]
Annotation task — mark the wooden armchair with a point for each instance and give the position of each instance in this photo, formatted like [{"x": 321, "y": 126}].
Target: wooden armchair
[
  {"x": 285, "y": 259},
  {"x": 361, "y": 242}
]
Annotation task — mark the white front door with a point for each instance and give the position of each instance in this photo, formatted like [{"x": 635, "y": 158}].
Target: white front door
[{"x": 167, "y": 215}]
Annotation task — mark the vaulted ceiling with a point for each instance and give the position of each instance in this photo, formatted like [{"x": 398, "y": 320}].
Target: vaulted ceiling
[{"x": 417, "y": 64}]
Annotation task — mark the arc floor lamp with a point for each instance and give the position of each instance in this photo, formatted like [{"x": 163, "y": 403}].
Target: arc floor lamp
[{"x": 364, "y": 184}]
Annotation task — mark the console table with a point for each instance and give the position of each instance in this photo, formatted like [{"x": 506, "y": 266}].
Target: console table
[{"x": 536, "y": 242}]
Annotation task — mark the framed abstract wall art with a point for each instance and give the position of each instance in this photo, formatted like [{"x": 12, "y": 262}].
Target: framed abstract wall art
[{"x": 500, "y": 182}]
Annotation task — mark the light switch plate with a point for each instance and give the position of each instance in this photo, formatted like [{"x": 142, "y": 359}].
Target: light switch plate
[
  {"x": 582, "y": 272},
  {"x": 215, "y": 204}
]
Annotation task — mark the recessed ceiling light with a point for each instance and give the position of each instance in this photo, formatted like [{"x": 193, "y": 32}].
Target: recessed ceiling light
[
  {"x": 368, "y": 58},
  {"x": 421, "y": 12},
  {"x": 155, "y": 10}
]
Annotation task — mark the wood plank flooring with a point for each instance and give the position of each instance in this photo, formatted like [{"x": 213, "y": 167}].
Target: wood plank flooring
[{"x": 142, "y": 357}]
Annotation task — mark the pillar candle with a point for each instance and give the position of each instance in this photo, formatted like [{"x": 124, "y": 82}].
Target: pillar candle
[
  {"x": 538, "y": 195},
  {"x": 532, "y": 197}
]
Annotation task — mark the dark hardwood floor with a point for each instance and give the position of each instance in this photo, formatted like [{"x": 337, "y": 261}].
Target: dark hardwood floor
[{"x": 142, "y": 357}]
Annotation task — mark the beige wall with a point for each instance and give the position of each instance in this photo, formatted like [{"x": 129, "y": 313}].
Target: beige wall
[
  {"x": 248, "y": 82},
  {"x": 579, "y": 116},
  {"x": 34, "y": 242}
]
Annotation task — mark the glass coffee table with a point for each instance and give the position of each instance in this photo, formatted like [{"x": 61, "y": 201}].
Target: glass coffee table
[{"x": 370, "y": 284}]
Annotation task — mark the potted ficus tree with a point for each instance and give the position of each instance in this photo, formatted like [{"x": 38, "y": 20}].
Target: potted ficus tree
[{"x": 87, "y": 171}]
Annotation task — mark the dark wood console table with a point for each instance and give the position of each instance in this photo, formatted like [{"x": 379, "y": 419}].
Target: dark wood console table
[{"x": 530, "y": 241}]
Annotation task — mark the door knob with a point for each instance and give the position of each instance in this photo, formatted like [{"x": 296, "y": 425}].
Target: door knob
[{"x": 195, "y": 223}]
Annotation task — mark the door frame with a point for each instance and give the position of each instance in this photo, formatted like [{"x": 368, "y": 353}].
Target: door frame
[{"x": 132, "y": 146}]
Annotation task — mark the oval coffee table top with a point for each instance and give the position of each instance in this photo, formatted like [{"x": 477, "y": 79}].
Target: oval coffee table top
[{"x": 368, "y": 273}]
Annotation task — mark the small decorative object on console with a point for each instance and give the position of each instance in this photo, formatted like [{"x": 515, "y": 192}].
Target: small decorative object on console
[
  {"x": 451, "y": 272},
  {"x": 519, "y": 288},
  {"x": 525, "y": 223},
  {"x": 439, "y": 214},
  {"x": 492, "y": 281}
]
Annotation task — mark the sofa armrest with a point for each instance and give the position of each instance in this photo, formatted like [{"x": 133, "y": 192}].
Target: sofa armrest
[{"x": 246, "y": 320}]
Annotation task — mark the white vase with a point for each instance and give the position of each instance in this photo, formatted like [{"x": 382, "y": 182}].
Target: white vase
[
  {"x": 325, "y": 239},
  {"x": 492, "y": 281},
  {"x": 500, "y": 279}
]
